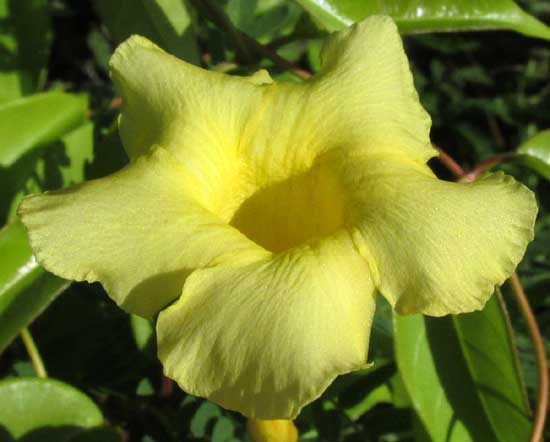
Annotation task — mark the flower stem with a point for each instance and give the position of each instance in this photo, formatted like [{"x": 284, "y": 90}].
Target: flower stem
[
  {"x": 519, "y": 294},
  {"x": 542, "y": 364},
  {"x": 217, "y": 16},
  {"x": 453, "y": 167},
  {"x": 32, "y": 350},
  {"x": 486, "y": 164}
]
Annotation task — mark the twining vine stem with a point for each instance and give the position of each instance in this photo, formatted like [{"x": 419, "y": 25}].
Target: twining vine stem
[
  {"x": 542, "y": 363},
  {"x": 519, "y": 294},
  {"x": 34, "y": 354},
  {"x": 245, "y": 45}
]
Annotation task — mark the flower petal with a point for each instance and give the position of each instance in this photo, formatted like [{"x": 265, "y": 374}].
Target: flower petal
[
  {"x": 266, "y": 337},
  {"x": 437, "y": 247},
  {"x": 135, "y": 231},
  {"x": 363, "y": 99},
  {"x": 366, "y": 92},
  {"x": 197, "y": 115},
  {"x": 168, "y": 101}
]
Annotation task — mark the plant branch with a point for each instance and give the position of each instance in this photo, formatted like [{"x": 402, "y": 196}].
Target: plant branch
[
  {"x": 453, "y": 167},
  {"x": 244, "y": 43},
  {"x": 34, "y": 354},
  {"x": 217, "y": 16},
  {"x": 519, "y": 294},
  {"x": 542, "y": 363},
  {"x": 486, "y": 164}
]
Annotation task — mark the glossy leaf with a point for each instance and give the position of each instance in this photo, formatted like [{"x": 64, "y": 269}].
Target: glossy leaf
[
  {"x": 25, "y": 38},
  {"x": 462, "y": 376},
  {"x": 535, "y": 153},
  {"x": 26, "y": 289},
  {"x": 60, "y": 164},
  {"x": 45, "y": 410},
  {"x": 486, "y": 341},
  {"x": 31, "y": 122},
  {"x": 429, "y": 15},
  {"x": 263, "y": 19},
  {"x": 417, "y": 365},
  {"x": 166, "y": 22}
]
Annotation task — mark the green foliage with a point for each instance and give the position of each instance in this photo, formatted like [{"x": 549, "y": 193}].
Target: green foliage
[
  {"x": 44, "y": 410},
  {"x": 164, "y": 21},
  {"x": 535, "y": 153},
  {"x": 430, "y": 15},
  {"x": 445, "y": 379},
  {"x": 26, "y": 289},
  {"x": 463, "y": 376},
  {"x": 25, "y": 39}
]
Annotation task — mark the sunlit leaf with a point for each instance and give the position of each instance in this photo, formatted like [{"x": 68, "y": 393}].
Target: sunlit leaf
[
  {"x": 429, "y": 15},
  {"x": 35, "y": 121},
  {"x": 462, "y": 375},
  {"x": 419, "y": 371},
  {"x": 535, "y": 153},
  {"x": 486, "y": 341},
  {"x": 26, "y": 289},
  {"x": 45, "y": 410}
]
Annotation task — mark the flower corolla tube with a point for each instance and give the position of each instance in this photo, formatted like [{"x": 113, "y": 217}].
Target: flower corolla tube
[{"x": 260, "y": 219}]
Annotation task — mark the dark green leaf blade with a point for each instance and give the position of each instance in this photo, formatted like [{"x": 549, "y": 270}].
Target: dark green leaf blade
[
  {"x": 31, "y": 122},
  {"x": 462, "y": 375},
  {"x": 417, "y": 365},
  {"x": 486, "y": 341},
  {"x": 25, "y": 38},
  {"x": 535, "y": 153},
  {"x": 430, "y": 15},
  {"x": 26, "y": 289},
  {"x": 45, "y": 410},
  {"x": 166, "y": 22}
]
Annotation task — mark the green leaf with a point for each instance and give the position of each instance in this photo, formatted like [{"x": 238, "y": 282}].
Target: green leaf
[
  {"x": 145, "y": 388},
  {"x": 45, "y": 410},
  {"x": 166, "y": 22},
  {"x": 535, "y": 153},
  {"x": 462, "y": 375},
  {"x": 26, "y": 289},
  {"x": 25, "y": 38},
  {"x": 263, "y": 19},
  {"x": 60, "y": 164},
  {"x": 223, "y": 430},
  {"x": 429, "y": 15},
  {"x": 206, "y": 412},
  {"x": 143, "y": 330},
  {"x": 486, "y": 341},
  {"x": 31, "y": 122}
]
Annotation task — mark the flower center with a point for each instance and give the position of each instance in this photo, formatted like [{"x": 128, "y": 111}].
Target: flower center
[{"x": 290, "y": 212}]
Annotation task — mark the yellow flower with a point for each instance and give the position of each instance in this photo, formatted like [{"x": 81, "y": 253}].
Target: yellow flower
[{"x": 260, "y": 219}]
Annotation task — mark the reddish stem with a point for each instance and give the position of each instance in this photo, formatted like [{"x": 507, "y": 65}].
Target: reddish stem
[
  {"x": 455, "y": 168},
  {"x": 486, "y": 164},
  {"x": 542, "y": 364}
]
